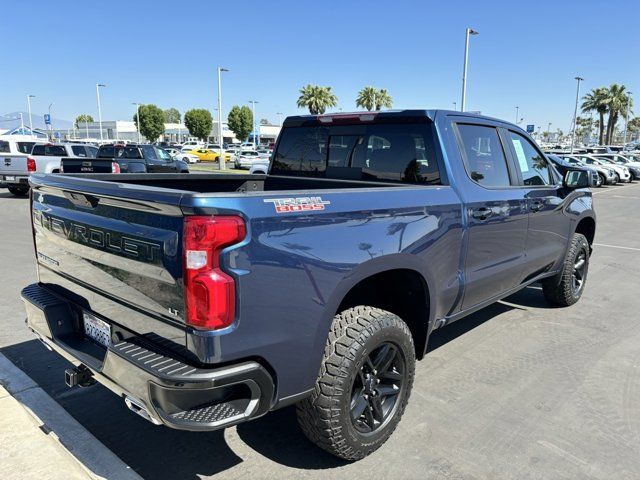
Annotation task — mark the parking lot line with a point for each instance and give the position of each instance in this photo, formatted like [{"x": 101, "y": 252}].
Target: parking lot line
[
  {"x": 616, "y": 246},
  {"x": 615, "y": 189},
  {"x": 626, "y": 196}
]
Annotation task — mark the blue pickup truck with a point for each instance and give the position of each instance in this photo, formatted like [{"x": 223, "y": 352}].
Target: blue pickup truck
[{"x": 208, "y": 300}]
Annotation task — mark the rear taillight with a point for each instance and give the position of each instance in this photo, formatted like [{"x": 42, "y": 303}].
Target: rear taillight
[
  {"x": 31, "y": 164},
  {"x": 115, "y": 167},
  {"x": 210, "y": 294}
]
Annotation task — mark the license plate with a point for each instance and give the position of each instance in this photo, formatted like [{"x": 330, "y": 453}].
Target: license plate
[
  {"x": 97, "y": 329},
  {"x": 10, "y": 178}
]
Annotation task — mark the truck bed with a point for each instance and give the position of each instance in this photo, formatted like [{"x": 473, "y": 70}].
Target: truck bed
[{"x": 221, "y": 183}]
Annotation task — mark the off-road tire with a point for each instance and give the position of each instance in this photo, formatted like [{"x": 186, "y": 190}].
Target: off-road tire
[
  {"x": 18, "y": 191},
  {"x": 560, "y": 290},
  {"x": 325, "y": 416}
]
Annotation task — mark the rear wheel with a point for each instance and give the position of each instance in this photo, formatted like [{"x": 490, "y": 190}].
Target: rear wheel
[
  {"x": 566, "y": 288},
  {"x": 364, "y": 383},
  {"x": 18, "y": 191}
]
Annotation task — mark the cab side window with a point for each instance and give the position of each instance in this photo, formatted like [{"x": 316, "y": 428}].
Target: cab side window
[
  {"x": 484, "y": 156},
  {"x": 531, "y": 162}
]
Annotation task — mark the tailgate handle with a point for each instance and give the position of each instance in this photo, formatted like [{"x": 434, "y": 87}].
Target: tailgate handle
[{"x": 82, "y": 199}]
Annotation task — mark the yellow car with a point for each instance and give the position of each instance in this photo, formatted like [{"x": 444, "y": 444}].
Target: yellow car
[{"x": 206, "y": 155}]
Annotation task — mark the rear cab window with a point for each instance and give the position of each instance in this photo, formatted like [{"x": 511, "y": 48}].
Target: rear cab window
[
  {"x": 25, "y": 147},
  {"x": 49, "y": 150},
  {"x": 387, "y": 152},
  {"x": 5, "y": 147}
]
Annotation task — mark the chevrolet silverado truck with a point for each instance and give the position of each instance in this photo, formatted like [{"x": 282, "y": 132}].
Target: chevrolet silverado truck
[
  {"x": 204, "y": 301},
  {"x": 129, "y": 158}
]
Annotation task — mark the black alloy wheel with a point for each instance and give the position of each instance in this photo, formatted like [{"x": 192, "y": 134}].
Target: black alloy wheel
[{"x": 377, "y": 387}]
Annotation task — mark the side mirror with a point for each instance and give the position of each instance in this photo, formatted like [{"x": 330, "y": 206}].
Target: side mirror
[{"x": 578, "y": 179}]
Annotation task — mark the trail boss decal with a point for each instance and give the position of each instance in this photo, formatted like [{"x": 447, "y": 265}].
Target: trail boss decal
[{"x": 298, "y": 204}]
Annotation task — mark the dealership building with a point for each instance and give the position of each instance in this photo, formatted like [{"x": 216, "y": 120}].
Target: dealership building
[{"x": 124, "y": 130}]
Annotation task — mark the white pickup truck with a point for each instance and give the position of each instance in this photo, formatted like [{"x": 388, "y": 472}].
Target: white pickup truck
[{"x": 42, "y": 158}]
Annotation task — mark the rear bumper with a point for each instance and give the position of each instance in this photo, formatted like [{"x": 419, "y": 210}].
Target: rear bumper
[
  {"x": 154, "y": 383},
  {"x": 11, "y": 180}
]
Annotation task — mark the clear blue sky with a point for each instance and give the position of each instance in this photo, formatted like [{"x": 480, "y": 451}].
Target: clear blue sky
[{"x": 527, "y": 53}]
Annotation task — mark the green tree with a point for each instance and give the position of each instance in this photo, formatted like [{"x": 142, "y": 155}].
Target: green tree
[
  {"x": 597, "y": 101},
  {"x": 199, "y": 122},
  {"x": 618, "y": 102},
  {"x": 84, "y": 118},
  {"x": 634, "y": 125},
  {"x": 316, "y": 98},
  {"x": 171, "y": 115},
  {"x": 151, "y": 123},
  {"x": 372, "y": 98},
  {"x": 383, "y": 99},
  {"x": 240, "y": 121},
  {"x": 367, "y": 98}
]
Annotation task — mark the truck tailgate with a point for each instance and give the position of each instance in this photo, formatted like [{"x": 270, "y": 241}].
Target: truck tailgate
[
  {"x": 13, "y": 165},
  {"x": 112, "y": 250},
  {"x": 86, "y": 165}
]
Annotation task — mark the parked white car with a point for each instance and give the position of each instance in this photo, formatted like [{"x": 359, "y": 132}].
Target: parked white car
[
  {"x": 260, "y": 166},
  {"x": 180, "y": 155},
  {"x": 246, "y": 159}
]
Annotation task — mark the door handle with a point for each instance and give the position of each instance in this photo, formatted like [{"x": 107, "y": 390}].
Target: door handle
[
  {"x": 536, "y": 206},
  {"x": 482, "y": 213}
]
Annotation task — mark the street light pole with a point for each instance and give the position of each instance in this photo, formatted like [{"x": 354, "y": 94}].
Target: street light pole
[
  {"x": 279, "y": 114},
  {"x": 626, "y": 120},
  {"x": 29, "y": 97},
  {"x": 253, "y": 114},
  {"x": 221, "y": 159},
  {"x": 137, "y": 118},
  {"x": 517, "y": 114},
  {"x": 575, "y": 114},
  {"x": 455, "y": 105},
  {"x": 98, "y": 85},
  {"x": 468, "y": 32},
  {"x": 548, "y": 131}
]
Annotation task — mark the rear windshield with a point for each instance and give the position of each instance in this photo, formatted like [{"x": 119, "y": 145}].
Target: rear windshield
[
  {"x": 25, "y": 147},
  {"x": 383, "y": 152},
  {"x": 49, "y": 150}
]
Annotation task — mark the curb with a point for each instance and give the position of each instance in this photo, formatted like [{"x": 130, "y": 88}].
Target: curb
[{"x": 96, "y": 459}]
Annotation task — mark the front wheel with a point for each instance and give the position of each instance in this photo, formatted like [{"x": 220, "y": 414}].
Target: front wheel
[
  {"x": 364, "y": 383},
  {"x": 616, "y": 179},
  {"x": 601, "y": 180},
  {"x": 566, "y": 288}
]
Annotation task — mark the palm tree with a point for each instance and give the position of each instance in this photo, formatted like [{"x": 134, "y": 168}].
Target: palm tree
[
  {"x": 597, "y": 100},
  {"x": 618, "y": 101},
  {"x": 383, "y": 99},
  {"x": 367, "y": 98},
  {"x": 317, "y": 98},
  {"x": 373, "y": 99}
]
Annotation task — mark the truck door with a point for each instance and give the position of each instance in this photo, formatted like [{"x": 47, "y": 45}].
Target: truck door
[
  {"x": 549, "y": 227},
  {"x": 496, "y": 211}
]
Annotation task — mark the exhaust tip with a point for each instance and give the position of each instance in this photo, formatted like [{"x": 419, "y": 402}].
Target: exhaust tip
[{"x": 139, "y": 409}]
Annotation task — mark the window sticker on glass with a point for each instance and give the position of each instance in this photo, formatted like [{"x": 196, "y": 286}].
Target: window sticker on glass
[{"x": 522, "y": 157}]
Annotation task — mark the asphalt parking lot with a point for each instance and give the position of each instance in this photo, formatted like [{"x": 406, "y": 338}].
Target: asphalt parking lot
[{"x": 517, "y": 390}]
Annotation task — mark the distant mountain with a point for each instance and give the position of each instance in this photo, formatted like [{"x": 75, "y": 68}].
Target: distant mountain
[{"x": 12, "y": 120}]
